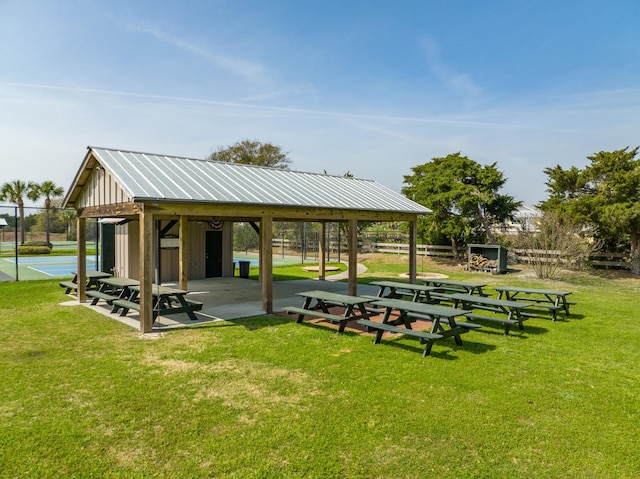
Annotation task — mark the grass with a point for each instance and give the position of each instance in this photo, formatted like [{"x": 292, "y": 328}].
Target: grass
[
  {"x": 296, "y": 271},
  {"x": 263, "y": 397}
]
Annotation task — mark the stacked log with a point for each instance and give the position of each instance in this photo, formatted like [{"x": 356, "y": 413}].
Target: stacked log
[{"x": 481, "y": 263}]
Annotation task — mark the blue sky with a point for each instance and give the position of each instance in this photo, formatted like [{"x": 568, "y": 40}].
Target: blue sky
[{"x": 369, "y": 87}]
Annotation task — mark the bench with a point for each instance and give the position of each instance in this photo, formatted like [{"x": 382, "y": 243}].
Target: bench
[
  {"x": 98, "y": 295},
  {"x": 126, "y": 305},
  {"x": 507, "y": 323},
  {"x": 195, "y": 305},
  {"x": 371, "y": 310},
  {"x": 69, "y": 285},
  {"x": 461, "y": 324},
  {"x": 439, "y": 296},
  {"x": 425, "y": 338},
  {"x": 301, "y": 312},
  {"x": 552, "y": 308}
]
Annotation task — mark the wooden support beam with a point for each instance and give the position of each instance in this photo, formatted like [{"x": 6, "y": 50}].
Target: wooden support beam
[
  {"x": 266, "y": 263},
  {"x": 246, "y": 212},
  {"x": 167, "y": 228},
  {"x": 108, "y": 211},
  {"x": 183, "y": 252},
  {"x": 147, "y": 263},
  {"x": 81, "y": 228},
  {"x": 353, "y": 258},
  {"x": 413, "y": 249},
  {"x": 322, "y": 246}
]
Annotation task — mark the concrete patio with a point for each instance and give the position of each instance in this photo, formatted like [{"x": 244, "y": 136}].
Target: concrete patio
[{"x": 231, "y": 298}]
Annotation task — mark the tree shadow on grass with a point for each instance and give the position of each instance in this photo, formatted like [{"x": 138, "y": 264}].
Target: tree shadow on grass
[
  {"x": 441, "y": 349},
  {"x": 251, "y": 323},
  {"x": 514, "y": 332}
]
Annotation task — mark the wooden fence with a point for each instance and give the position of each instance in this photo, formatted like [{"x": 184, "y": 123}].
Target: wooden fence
[{"x": 596, "y": 260}]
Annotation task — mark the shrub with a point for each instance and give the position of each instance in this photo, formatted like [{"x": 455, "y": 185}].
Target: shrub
[{"x": 31, "y": 249}]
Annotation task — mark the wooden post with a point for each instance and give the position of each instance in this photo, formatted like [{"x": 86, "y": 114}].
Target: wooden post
[
  {"x": 147, "y": 262},
  {"x": 353, "y": 257},
  {"x": 413, "y": 249},
  {"x": 266, "y": 263},
  {"x": 81, "y": 225},
  {"x": 183, "y": 252},
  {"x": 322, "y": 246}
]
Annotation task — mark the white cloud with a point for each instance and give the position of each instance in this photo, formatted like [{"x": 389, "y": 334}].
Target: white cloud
[
  {"x": 248, "y": 70},
  {"x": 459, "y": 83}
]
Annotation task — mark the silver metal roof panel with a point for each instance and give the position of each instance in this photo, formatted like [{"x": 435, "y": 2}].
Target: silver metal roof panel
[{"x": 154, "y": 177}]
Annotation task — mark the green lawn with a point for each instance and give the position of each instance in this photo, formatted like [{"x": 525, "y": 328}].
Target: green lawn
[{"x": 85, "y": 396}]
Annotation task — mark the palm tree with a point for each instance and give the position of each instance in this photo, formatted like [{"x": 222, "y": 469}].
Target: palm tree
[
  {"x": 49, "y": 190},
  {"x": 68, "y": 216},
  {"x": 14, "y": 193}
]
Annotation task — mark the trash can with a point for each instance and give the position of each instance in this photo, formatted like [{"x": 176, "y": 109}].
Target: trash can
[
  {"x": 244, "y": 268},
  {"x": 233, "y": 271}
]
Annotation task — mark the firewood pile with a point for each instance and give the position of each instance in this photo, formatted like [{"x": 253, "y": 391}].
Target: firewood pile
[{"x": 478, "y": 262}]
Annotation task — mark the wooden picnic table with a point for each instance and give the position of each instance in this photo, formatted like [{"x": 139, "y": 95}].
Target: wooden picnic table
[
  {"x": 110, "y": 289},
  {"x": 449, "y": 285},
  {"x": 166, "y": 301},
  {"x": 409, "y": 312},
  {"x": 354, "y": 307},
  {"x": 509, "y": 312},
  {"x": 92, "y": 280},
  {"x": 550, "y": 299},
  {"x": 397, "y": 290}
]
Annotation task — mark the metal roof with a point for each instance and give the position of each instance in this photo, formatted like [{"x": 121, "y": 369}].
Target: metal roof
[{"x": 153, "y": 177}]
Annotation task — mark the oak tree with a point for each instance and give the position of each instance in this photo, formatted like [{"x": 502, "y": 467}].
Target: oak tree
[
  {"x": 464, "y": 197},
  {"x": 604, "y": 197},
  {"x": 252, "y": 152}
]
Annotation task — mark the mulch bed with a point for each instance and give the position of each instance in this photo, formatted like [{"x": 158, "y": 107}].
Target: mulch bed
[{"x": 354, "y": 327}]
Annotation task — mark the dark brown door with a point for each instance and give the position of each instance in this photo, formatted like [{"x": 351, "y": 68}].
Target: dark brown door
[{"x": 213, "y": 254}]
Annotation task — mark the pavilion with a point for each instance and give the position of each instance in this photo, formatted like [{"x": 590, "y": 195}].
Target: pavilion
[{"x": 192, "y": 204}]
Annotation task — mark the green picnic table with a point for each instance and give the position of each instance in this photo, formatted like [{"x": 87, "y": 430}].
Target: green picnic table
[
  {"x": 509, "y": 313},
  {"x": 92, "y": 277},
  {"x": 409, "y": 311},
  {"x": 110, "y": 289},
  {"x": 354, "y": 307},
  {"x": 166, "y": 301},
  {"x": 397, "y": 290},
  {"x": 549, "y": 299},
  {"x": 453, "y": 286}
]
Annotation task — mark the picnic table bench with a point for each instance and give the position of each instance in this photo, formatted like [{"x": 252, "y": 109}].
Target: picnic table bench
[
  {"x": 508, "y": 313},
  {"x": 92, "y": 281},
  {"x": 110, "y": 289},
  {"x": 452, "y": 286},
  {"x": 166, "y": 301},
  {"x": 551, "y": 300},
  {"x": 409, "y": 312},
  {"x": 398, "y": 290},
  {"x": 354, "y": 307}
]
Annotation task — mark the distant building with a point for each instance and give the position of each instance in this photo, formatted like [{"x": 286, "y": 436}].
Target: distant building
[{"x": 525, "y": 218}]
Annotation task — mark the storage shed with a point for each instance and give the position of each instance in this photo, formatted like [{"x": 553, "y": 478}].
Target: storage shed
[{"x": 185, "y": 209}]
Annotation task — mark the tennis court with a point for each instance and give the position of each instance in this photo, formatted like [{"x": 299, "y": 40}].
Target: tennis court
[
  {"x": 46, "y": 267},
  {"x": 43, "y": 267}
]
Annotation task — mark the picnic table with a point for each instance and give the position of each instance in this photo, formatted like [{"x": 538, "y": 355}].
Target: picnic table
[
  {"x": 509, "y": 313},
  {"x": 410, "y": 311},
  {"x": 92, "y": 281},
  {"x": 354, "y": 307},
  {"x": 397, "y": 290},
  {"x": 166, "y": 301},
  {"x": 452, "y": 286},
  {"x": 110, "y": 289},
  {"x": 549, "y": 299}
]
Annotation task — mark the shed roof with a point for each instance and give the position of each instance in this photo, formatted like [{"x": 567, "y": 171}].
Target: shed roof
[{"x": 166, "y": 179}]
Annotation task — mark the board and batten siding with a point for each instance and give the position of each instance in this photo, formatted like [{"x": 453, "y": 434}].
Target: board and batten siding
[
  {"x": 126, "y": 248},
  {"x": 102, "y": 189},
  {"x": 127, "y": 245}
]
